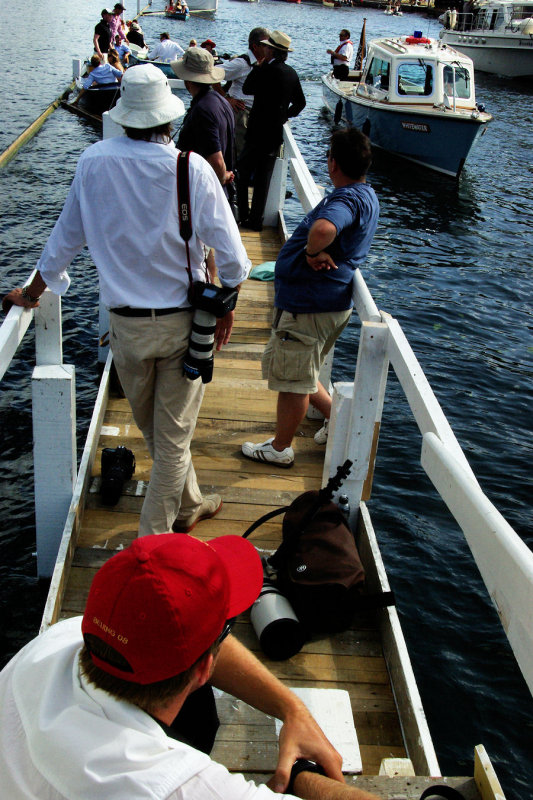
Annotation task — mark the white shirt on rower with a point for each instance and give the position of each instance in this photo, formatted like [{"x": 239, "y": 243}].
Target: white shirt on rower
[
  {"x": 166, "y": 50},
  {"x": 123, "y": 205},
  {"x": 236, "y": 71}
]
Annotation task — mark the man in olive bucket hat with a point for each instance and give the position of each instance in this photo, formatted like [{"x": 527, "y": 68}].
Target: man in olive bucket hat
[
  {"x": 278, "y": 96},
  {"x": 209, "y": 125},
  {"x": 135, "y": 243}
]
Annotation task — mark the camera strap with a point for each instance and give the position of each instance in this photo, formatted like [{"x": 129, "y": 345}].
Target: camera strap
[{"x": 184, "y": 206}]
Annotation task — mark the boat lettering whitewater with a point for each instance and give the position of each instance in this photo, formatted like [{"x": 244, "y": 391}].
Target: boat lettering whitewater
[
  {"x": 415, "y": 98},
  {"x": 496, "y": 34}
]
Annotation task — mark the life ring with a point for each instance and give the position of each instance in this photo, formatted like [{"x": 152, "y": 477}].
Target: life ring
[{"x": 417, "y": 40}]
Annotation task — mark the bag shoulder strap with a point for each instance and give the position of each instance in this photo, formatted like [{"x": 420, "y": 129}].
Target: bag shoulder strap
[
  {"x": 442, "y": 790},
  {"x": 184, "y": 204},
  {"x": 269, "y": 515}
]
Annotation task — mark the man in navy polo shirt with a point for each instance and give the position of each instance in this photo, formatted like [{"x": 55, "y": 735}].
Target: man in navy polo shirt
[
  {"x": 209, "y": 125},
  {"x": 313, "y": 293}
]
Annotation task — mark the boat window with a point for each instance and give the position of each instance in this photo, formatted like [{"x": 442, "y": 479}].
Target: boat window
[
  {"x": 378, "y": 74},
  {"x": 416, "y": 79},
  {"x": 462, "y": 82}
]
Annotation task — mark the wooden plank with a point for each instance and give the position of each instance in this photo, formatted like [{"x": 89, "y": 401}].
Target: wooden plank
[{"x": 485, "y": 777}]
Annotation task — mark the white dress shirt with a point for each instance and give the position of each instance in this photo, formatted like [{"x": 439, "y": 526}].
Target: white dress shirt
[
  {"x": 61, "y": 737},
  {"x": 123, "y": 204},
  {"x": 236, "y": 71},
  {"x": 167, "y": 50}
]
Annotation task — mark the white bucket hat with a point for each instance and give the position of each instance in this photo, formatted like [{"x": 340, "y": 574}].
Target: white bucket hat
[
  {"x": 279, "y": 41},
  {"x": 146, "y": 100},
  {"x": 197, "y": 65}
]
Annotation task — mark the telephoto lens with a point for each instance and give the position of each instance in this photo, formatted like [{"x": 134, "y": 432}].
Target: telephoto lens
[
  {"x": 198, "y": 362},
  {"x": 280, "y": 633}
]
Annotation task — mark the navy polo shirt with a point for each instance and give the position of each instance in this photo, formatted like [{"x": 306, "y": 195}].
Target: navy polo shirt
[{"x": 208, "y": 127}]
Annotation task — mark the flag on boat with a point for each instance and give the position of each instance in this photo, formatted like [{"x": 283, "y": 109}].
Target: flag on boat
[{"x": 361, "y": 49}]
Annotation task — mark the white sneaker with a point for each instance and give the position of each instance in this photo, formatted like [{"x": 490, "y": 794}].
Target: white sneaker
[
  {"x": 266, "y": 454},
  {"x": 321, "y": 436}
]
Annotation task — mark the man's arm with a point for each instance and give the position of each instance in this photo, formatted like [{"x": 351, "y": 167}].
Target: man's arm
[
  {"x": 96, "y": 40},
  {"x": 219, "y": 165},
  {"x": 311, "y": 786},
  {"x": 30, "y": 298},
  {"x": 321, "y": 234},
  {"x": 238, "y": 672}
]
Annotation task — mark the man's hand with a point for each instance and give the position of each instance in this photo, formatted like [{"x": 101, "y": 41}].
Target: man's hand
[
  {"x": 301, "y": 737},
  {"x": 223, "y": 329},
  {"x": 15, "y": 298},
  {"x": 322, "y": 260},
  {"x": 237, "y": 105}
]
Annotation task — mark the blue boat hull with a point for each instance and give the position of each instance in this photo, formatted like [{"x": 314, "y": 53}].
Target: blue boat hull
[
  {"x": 438, "y": 140},
  {"x": 162, "y": 65}
]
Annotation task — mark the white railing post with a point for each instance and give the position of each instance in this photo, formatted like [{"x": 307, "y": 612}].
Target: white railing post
[
  {"x": 357, "y": 419},
  {"x": 48, "y": 332},
  {"x": 54, "y": 457},
  {"x": 276, "y": 193}
]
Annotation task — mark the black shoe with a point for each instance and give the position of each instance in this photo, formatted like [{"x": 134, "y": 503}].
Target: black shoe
[{"x": 250, "y": 225}]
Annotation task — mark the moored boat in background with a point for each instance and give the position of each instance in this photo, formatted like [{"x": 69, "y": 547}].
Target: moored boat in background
[
  {"x": 496, "y": 34},
  {"x": 415, "y": 98}
]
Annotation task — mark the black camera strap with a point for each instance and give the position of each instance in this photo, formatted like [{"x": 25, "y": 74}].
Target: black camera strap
[{"x": 184, "y": 206}]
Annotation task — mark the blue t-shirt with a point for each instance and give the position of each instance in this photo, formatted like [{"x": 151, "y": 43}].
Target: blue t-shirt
[{"x": 354, "y": 210}]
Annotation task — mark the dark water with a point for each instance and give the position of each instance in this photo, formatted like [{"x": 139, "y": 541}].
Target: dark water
[{"x": 450, "y": 260}]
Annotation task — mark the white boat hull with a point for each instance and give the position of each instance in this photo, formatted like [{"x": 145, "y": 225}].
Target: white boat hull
[
  {"x": 205, "y": 6},
  {"x": 433, "y": 138},
  {"x": 509, "y": 56}
]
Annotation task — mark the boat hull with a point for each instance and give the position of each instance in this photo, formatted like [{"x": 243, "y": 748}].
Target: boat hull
[
  {"x": 509, "y": 56},
  {"x": 433, "y": 139},
  {"x": 164, "y": 66},
  {"x": 183, "y": 15},
  {"x": 99, "y": 99}
]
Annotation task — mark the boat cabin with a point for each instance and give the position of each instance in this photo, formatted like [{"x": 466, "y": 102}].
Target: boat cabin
[
  {"x": 498, "y": 16},
  {"x": 413, "y": 70}
]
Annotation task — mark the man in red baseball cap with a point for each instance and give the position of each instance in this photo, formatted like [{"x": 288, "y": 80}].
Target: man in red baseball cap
[{"x": 117, "y": 704}]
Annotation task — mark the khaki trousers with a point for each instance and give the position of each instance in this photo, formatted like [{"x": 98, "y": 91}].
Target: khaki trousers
[{"x": 148, "y": 354}]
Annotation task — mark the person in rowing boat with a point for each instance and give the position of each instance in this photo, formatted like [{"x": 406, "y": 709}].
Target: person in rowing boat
[
  {"x": 100, "y": 75},
  {"x": 135, "y": 243},
  {"x": 102, "y": 34},
  {"x": 115, "y": 22},
  {"x": 122, "y": 50},
  {"x": 135, "y": 34},
  {"x": 342, "y": 56},
  {"x": 166, "y": 50},
  {"x": 119, "y": 703},
  {"x": 313, "y": 294}
]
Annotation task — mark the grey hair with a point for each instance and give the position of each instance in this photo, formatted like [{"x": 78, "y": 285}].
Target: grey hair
[{"x": 257, "y": 35}]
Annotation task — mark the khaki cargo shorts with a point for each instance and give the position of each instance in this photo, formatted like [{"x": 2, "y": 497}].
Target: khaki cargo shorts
[{"x": 297, "y": 348}]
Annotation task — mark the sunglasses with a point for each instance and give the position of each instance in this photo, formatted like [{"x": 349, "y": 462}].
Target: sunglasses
[{"x": 226, "y": 630}]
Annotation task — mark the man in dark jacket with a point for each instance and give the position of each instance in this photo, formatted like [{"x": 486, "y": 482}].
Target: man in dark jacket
[{"x": 278, "y": 96}]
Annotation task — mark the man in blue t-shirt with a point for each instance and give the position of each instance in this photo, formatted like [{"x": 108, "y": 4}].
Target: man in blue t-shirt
[{"x": 313, "y": 294}]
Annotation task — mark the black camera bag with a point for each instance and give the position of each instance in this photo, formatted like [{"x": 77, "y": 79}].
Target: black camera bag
[{"x": 318, "y": 566}]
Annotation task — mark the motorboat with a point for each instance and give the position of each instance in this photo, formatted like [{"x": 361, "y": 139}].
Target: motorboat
[
  {"x": 496, "y": 34},
  {"x": 415, "y": 98}
]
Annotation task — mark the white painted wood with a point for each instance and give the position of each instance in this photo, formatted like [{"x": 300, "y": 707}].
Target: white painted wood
[
  {"x": 12, "y": 332},
  {"x": 392, "y": 767},
  {"x": 48, "y": 332},
  {"x": 485, "y": 777},
  {"x": 339, "y": 425},
  {"x": 424, "y": 405},
  {"x": 503, "y": 559},
  {"x": 332, "y": 709},
  {"x": 103, "y": 332},
  {"x": 368, "y": 394},
  {"x": 69, "y": 532},
  {"x": 276, "y": 193},
  {"x": 110, "y": 128},
  {"x": 417, "y": 737},
  {"x": 311, "y": 192},
  {"x": 363, "y": 300},
  {"x": 54, "y": 454}
]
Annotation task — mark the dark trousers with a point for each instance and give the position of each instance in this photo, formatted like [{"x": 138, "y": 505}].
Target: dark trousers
[
  {"x": 341, "y": 71},
  {"x": 254, "y": 166}
]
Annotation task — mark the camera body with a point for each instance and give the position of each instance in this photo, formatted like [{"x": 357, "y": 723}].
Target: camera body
[
  {"x": 209, "y": 302},
  {"x": 118, "y": 465}
]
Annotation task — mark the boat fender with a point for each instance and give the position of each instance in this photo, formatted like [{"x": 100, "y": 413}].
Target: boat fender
[
  {"x": 417, "y": 40},
  {"x": 338, "y": 113}
]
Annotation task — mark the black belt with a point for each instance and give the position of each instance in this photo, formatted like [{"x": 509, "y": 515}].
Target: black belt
[{"x": 128, "y": 311}]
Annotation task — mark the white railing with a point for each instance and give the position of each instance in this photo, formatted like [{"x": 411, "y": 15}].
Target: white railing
[{"x": 53, "y": 416}]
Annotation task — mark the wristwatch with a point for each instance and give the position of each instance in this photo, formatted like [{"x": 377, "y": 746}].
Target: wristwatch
[
  {"x": 27, "y": 296},
  {"x": 302, "y": 765}
]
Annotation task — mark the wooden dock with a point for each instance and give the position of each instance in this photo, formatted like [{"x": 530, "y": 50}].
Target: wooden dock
[{"x": 238, "y": 406}]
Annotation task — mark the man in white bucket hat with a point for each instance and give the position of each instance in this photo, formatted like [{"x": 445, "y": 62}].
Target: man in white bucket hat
[{"x": 123, "y": 205}]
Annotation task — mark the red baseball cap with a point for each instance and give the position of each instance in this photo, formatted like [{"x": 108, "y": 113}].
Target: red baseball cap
[
  {"x": 164, "y": 600},
  {"x": 208, "y": 41}
]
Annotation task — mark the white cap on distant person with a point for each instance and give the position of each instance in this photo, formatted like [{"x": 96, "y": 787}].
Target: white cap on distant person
[{"x": 146, "y": 99}]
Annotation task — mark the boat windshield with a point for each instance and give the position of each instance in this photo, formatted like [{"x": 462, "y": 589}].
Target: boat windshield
[
  {"x": 378, "y": 73},
  {"x": 457, "y": 85},
  {"x": 415, "y": 78}
]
